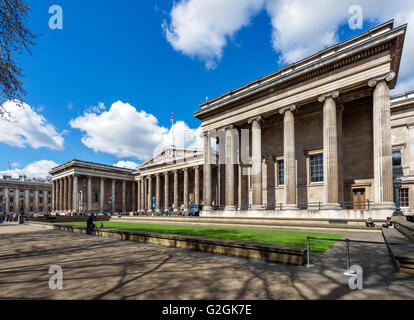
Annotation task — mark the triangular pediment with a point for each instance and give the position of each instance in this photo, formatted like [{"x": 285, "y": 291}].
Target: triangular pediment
[{"x": 172, "y": 155}]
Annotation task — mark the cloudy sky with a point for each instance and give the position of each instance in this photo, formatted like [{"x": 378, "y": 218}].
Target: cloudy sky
[{"x": 103, "y": 88}]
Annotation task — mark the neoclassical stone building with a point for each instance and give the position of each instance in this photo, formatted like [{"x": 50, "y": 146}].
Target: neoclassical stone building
[
  {"x": 34, "y": 195},
  {"x": 402, "y": 136},
  {"x": 81, "y": 186},
  {"x": 318, "y": 134},
  {"x": 312, "y": 140}
]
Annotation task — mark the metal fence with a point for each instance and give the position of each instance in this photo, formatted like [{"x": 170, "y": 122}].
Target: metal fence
[
  {"x": 357, "y": 205},
  {"x": 348, "y": 242}
]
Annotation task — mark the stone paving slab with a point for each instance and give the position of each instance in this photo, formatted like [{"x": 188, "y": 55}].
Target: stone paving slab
[{"x": 98, "y": 268}]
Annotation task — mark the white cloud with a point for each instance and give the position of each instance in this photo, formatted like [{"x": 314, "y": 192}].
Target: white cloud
[
  {"x": 201, "y": 29},
  {"x": 37, "y": 169},
  {"x": 28, "y": 128},
  {"x": 126, "y": 164},
  {"x": 124, "y": 131},
  {"x": 299, "y": 28}
]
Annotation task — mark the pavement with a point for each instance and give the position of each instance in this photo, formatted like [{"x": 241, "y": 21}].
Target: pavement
[{"x": 99, "y": 268}]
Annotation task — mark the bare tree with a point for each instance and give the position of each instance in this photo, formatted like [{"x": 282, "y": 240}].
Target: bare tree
[{"x": 15, "y": 38}]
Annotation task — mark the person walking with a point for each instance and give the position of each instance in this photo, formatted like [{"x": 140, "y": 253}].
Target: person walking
[{"x": 89, "y": 224}]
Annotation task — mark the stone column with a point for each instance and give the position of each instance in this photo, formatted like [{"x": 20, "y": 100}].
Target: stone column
[
  {"x": 16, "y": 200},
  {"x": 176, "y": 206},
  {"x": 102, "y": 195},
  {"x": 142, "y": 194},
  {"x": 289, "y": 157},
  {"x": 330, "y": 151},
  {"x": 61, "y": 194},
  {"x": 53, "y": 195},
  {"x": 36, "y": 201},
  {"x": 207, "y": 173},
  {"x": 230, "y": 161},
  {"x": 6, "y": 197},
  {"x": 89, "y": 194},
  {"x": 139, "y": 195},
  {"x": 243, "y": 188},
  {"x": 123, "y": 196},
  {"x": 113, "y": 196},
  {"x": 149, "y": 194},
  {"x": 27, "y": 200},
  {"x": 75, "y": 195},
  {"x": 185, "y": 170},
  {"x": 133, "y": 196},
  {"x": 157, "y": 193},
  {"x": 70, "y": 193},
  {"x": 65, "y": 194},
  {"x": 411, "y": 150},
  {"x": 256, "y": 171},
  {"x": 196, "y": 185},
  {"x": 166, "y": 192},
  {"x": 382, "y": 143},
  {"x": 45, "y": 201},
  {"x": 341, "y": 186}
]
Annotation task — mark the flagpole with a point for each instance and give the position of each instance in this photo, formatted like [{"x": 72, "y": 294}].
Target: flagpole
[{"x": 172, "y": 128}]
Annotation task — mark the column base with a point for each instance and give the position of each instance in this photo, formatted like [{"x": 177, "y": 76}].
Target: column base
[
  {"x": 257, "y": 207},
  {"x": 149, "y": 211},
  {"x": 158, "y": 211},
  {"x": 384, "y": 206},
  {"x": 230, "y": 208},
  {"x": 290, "y": 207},
  {"x": 176, "y": 210},
  {"x": 207, "y": 208},
  {"x": 331, "y": 206}
]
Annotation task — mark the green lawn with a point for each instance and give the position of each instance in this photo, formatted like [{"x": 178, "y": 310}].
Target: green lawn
[{"x": 288, "y": 238}]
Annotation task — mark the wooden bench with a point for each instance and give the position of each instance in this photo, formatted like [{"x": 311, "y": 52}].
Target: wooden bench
[{"x": 402, "y": 255}]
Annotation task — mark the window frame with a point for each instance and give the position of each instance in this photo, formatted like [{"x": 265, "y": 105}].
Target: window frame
[
  {"x": 407, "y": 204},
  {"x": 310, "y": 154}
]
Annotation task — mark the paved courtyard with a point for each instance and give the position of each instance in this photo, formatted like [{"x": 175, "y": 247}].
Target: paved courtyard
[{"x": 98, "y": 268}]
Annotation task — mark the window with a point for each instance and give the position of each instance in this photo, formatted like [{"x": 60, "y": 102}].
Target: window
[
  {"x": 316, "y": 168},
  {"x": 404, "y": 200},
  {"x": 96, "y": 196},
  {"x": 280, "y": 172},
  {"x": 396, "y": 158}
]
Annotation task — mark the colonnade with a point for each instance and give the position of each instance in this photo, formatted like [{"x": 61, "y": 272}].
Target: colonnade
[
  {"x": 66, "y": 194},
  {"x": 332, "y": 109},
  {"x": 166, "y": 197}
]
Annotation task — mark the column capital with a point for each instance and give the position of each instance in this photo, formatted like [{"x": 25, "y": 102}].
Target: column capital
[
  {"x": 333, "y": 95},
  {"x": 228, "y": 127},
  {"x": 290, "y": 108},
  {"x": 196, "y": 167},
  {"x": 185, "y": 169},
  {"x": 410, "y": 125},
  {"x": 387, "y": 78},
  {"x": 257, "y": 118}
]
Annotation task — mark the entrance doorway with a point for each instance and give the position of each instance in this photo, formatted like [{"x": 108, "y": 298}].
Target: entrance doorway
[{"x": 359, "y": 199}]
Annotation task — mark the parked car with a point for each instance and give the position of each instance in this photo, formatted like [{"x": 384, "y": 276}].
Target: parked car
[{"x": 194, "y": 210}]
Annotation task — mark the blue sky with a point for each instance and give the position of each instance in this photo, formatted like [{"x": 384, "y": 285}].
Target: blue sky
[{"x": 111, "y": 51}]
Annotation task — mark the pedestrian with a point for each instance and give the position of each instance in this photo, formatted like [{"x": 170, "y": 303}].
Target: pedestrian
[
  {"x": 369, "y": 223},
  {"x": 89, "y": 224},
  {"x": 388, "y": 224}
]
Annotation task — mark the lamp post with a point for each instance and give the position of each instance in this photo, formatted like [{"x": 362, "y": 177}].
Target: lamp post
[
  {"x": 398, "y": 212},
  {"x": 21, "y": 198},
  {"x": 110, "y": 204}
]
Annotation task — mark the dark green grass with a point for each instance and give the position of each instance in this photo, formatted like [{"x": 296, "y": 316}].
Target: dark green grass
[{"x": 280, "y": 237}]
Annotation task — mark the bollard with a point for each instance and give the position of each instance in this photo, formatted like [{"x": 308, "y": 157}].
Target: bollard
[
  {"x": 308, "y": 265},
  {"x": 348, "y": 263}
]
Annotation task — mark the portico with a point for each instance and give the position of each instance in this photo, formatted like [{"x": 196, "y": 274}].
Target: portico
[{"x": 310, "y": 136}]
